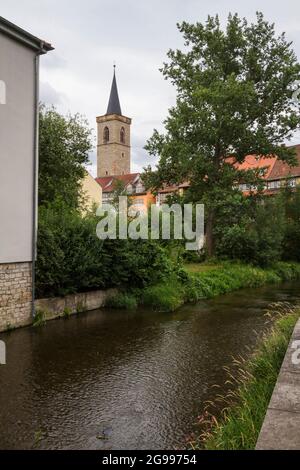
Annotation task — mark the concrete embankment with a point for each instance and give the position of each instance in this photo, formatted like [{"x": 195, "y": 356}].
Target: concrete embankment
[
  {"x": 56, "y": 307},
  {"x": 73, "y": 303},
  {"x": 281, "y": 426}
]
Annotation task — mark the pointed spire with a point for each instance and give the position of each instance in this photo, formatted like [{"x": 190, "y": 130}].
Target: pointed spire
[{"x": 114, "y": 103}]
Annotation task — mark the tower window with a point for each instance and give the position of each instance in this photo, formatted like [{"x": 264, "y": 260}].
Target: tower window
[
  {"x": 123, "y": 154},
  {"x": 106, "y": 135},
  {"x": 122, "y": 135}
]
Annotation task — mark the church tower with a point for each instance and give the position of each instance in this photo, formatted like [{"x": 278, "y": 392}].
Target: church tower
[{"x": 113, "y": 142}]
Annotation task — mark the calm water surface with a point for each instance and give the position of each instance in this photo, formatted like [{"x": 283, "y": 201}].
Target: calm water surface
[{"x": 139, "y": 379}]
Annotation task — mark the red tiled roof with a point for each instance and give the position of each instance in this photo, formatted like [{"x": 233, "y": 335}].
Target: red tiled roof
[
  {"x": 253, "y": 162},
  {"x": 168, "y": 189},
  {"x": 174, "y": 187},
  {"x": 108, "y": 183},
  {"x": 275, "y": 168},
  {"x": 283, "y": 170}
]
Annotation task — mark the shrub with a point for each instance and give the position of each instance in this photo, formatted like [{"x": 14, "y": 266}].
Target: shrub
[
  {"x": 165, "y": 297},
  {"x": 291, "y": 242},
  {"x": 67, "y": 312},
  {"x": 72, "y": 259},
  {"x": 287, "y": 271},
  {"x": 232, "y": 276},
  {"x": 39, "y": 318},
  {"x": 256, "y": 238},
  {"x": 261, "y": 231},
  {"x": 122, "y": 301}
]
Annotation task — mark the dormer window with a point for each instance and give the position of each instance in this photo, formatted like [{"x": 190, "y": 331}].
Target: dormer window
[
  {"x": 140, "y": 188},
  {"x": 122, "y": 135},
  {"x": 106, "y": 135}
]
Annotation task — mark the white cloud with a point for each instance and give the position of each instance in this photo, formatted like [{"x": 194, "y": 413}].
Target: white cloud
[{"x": 88, "y": 37}]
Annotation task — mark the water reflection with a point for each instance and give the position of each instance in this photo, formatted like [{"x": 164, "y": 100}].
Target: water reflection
[{"x": 113, "y": 380}]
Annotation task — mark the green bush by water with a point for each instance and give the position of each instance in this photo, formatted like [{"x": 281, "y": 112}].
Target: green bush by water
[
  {"x": 39, "y": 318},
  {"x": 192, "y": 286},
  {"x": 72, "y": 259},
  {"x": 165, "y": 297},
  {"x": 230, "y": 277},
  {"x": 122, "y": 301}
]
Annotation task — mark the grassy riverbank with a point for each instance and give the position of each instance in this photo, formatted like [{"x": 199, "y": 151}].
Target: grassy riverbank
[
  {"x": 202, "y": 281},
  {"x": 245, "y": 408}
]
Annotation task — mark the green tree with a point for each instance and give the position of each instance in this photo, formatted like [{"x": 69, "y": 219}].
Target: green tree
[
  {"x": 120, "y": 190},
  {"x": 291, "y": 200},
  {"x": 234, "y": 98},
  {"x": 253, "y": 233},
  {"x": 64, "y": 145}
]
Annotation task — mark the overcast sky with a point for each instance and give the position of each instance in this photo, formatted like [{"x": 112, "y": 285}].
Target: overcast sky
[{"x": 90, "y": 35}]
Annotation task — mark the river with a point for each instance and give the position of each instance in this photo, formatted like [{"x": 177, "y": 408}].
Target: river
[{"x": 117, "y": 380}]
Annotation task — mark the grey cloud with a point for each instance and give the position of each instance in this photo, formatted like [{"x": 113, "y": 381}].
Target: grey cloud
[
  {"x": 49, "y": 95},
  {"x": 136, "y": 34}
]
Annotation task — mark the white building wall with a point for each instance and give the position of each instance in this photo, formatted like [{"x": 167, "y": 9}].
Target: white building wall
[{"x": 17, "y": 121}]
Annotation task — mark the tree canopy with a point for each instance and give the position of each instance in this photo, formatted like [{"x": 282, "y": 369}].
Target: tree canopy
[
  {"x": 234, "y": 98},
  {"x": 64, "y": 145}
]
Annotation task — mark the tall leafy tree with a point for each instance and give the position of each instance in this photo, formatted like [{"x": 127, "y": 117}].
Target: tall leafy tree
[
  {"x": 234, "y": 98},
  {"x": 64, "y": 145}
]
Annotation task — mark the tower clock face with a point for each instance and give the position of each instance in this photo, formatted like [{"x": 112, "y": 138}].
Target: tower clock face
[{"x": 2, "y": 92}]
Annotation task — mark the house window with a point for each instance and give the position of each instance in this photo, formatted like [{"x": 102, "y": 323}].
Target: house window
[
  {"x": 274, "y": 184},
  {"x": 164, "y": 197},
  {"x": 138, "y": 202},
  {"x": 106, "y": 135},
  {"x": 122, "y": 135},
  {"x": 292, "y": 183}
]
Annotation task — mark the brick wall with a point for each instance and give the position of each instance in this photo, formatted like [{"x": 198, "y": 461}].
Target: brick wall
[{"x": 15, "y": 295}]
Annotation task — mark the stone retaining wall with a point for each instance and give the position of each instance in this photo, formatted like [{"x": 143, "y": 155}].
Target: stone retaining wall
[
  {"x": 16, "y": 298},
  {"x": 15, "y": 295},
  {"x": 281, "y": 427},
  {"x": 74, "y": 303}
]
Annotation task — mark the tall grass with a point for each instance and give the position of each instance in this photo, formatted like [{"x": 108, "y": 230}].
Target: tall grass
[
  {"x": 122, "y": 300},
  {"x": 165, "y": 297},
  {"x": 230, "y": 277},
  {"x": 203, "y": 282},
  {"x": 254, "y": 381}
]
